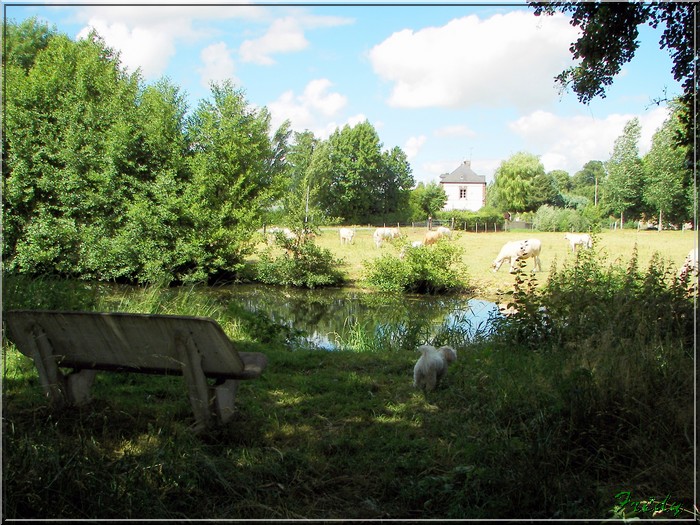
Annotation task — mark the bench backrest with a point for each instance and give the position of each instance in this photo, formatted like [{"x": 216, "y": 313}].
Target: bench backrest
[{"x": 124, "y": 341}]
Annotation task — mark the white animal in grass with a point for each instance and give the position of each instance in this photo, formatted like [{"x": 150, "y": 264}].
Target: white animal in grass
[
  {"x": 445, "y": 231},
  {"x": 381, "y": 234},
  {"x": 513, "y": 251},
  {"x": 579, "y": 239},
  {"x": 431, "y": 366},
  {"x": 346, "y": 235},
  {"x": 690, "y": 265}
]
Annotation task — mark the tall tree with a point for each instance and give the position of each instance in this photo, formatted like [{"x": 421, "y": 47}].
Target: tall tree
[
  {"x": 624, "y": 182},
  {"x": 72, "y": 159},
  {"x": 665, "y": 174},
  {"x": 588, "y": 179},
  {"x": 513, "y": 183},
  {"x": 427, "y": 199},
  {"x": 234, "y": 178},
  {"x": 358, "y": 182}
]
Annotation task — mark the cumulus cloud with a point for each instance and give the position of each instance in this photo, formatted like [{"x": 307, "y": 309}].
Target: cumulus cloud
[
  {"x": 569, "y": 142},
  {"x": 311, "y": 109},
  {"x": 217, "y": 64},
  {"x": 139, "y": 47},
  {"x": 147, "y": 36},
  {"x": 413, "y": 146},
  {"x": 285, "y": 35},
  {"x": 508, "y": 59}
]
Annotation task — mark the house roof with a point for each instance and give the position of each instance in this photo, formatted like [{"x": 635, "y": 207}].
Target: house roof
[{"x": 463, "y": 174}]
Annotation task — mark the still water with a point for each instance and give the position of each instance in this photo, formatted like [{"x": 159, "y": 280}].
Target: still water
[{"x": 333, "y": 319}]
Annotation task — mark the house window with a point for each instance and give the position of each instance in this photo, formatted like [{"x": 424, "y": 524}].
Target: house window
[{"x": 463, "y": 193}]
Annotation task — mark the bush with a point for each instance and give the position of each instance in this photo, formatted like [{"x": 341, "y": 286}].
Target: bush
[
  {"x": 303, "y": 264},
  {"x": 425, "y": 269},
  {"x": 551, "y": 219}
]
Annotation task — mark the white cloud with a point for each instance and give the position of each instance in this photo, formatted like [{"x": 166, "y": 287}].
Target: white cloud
[
  {"x": 217, "y": 64},
  {"x": 284, "y": 36},
  {"x": 413, "y": 146},
  {"x": 569, "y": 142},
  {"x": 454, "y": 131},
  {"x": 146, "y": 36},
  {"x": 314, "y": 109},
  {"x": 139, "y": 47},
  {"x": 507, "y": 59}
]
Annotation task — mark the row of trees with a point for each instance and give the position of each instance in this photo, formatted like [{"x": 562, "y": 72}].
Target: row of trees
[
  {"x": 629, "y": 186},
  {"x": 107, "y": 178}
]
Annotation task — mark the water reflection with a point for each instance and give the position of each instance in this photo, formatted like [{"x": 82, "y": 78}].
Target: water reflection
[{"x": 332, "y": 319}]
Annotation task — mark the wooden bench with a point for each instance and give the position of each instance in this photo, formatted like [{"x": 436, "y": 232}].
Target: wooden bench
[{"x": 195, "y": 347}]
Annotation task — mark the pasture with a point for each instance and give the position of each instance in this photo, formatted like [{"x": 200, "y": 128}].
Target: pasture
[{"x": 480, "y": 249}]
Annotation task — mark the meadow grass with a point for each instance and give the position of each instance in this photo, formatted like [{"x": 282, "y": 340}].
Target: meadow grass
[
  {"x": 480, "y": 249},
  {"x": 549, "y": 427}
]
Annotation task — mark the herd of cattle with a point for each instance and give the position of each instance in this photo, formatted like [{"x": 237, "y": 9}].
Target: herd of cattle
[{"x": 512, "y": 251}]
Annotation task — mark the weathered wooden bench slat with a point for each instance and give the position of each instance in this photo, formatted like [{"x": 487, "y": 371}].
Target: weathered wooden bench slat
[{"x": 195, "y": 347}]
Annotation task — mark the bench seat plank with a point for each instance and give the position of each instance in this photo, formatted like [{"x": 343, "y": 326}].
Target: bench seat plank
[{"x": 195, "y": 347}]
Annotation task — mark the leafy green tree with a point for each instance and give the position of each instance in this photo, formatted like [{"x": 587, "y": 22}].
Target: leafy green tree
[
  {"x": 513, "y": 183},
  {"x": 153, "y": 228},
  {"x": 24, "y": 41},
  {"x": 427, "y": 199},
  {"x": 72, "y": 153},
  {"x": 666, "y": 177},
  {"x": 545, "y": 190},
  {"x": 358, "y": 182},
  {"x": 396, "y": 183},
  {"x": 562, "y": 180},
  {"x": 608, "y": 39},
  {"x": 588, "y": 179},
  {"x": 234, "y": 178},
  {"x": 623, "y": 188}
]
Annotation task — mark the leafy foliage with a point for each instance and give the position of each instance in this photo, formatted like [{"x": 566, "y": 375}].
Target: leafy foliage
[
  {"x": 424, "y": 269},
  {"x": 302, "y": 264}
]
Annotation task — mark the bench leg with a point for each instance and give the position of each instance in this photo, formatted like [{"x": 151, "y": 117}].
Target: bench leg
[
  {"x": 224, "y": 398},
  {"x": 51, "y": 379},
  {"x": 79, "y": 384},
  {"x": 196, "y": 380}
]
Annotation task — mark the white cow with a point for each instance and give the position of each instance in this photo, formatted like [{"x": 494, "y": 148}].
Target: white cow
[
  {"x": 516, "y": 250},
  {"x": 445, "y": 231},
  {"x": 579, "y": 239},
  {"x": 384, "y": 233},
  {"x": 346, "y": 235},
  {"x": 690, "y": 265}
]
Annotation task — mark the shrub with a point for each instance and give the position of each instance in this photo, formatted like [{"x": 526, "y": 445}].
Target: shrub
[
  {"x": 551, "y": 219},
  {"x": 303, "y": 264},
  {"x": 425, "y": 269}
]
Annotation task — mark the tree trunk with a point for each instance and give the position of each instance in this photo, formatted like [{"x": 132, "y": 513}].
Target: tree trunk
[{"x": 660, "y": 221}]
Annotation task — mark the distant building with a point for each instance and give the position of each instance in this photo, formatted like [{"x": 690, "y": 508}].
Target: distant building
[{"x": 465, "y": 189}]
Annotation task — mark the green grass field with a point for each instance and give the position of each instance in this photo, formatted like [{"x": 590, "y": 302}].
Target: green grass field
[{"x": 480, "y": 249}]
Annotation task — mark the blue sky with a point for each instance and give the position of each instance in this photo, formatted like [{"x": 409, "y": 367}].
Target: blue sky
[{"x": 444, "y": 83}]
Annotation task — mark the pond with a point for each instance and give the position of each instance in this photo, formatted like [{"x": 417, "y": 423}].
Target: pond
[{"x": 332, "y": 319}]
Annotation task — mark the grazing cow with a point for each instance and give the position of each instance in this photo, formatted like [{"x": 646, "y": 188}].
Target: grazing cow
[
  {"x": 690, "y": 265},
  {"x": 384, "y": 233},
  {"x": 579, "y": 239},
  {"x": 346, "y": 235},
  {"x": 432, "y": 237},
  {"x": 445, "y": 231},
  {"x": 516, "y": 250}
]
